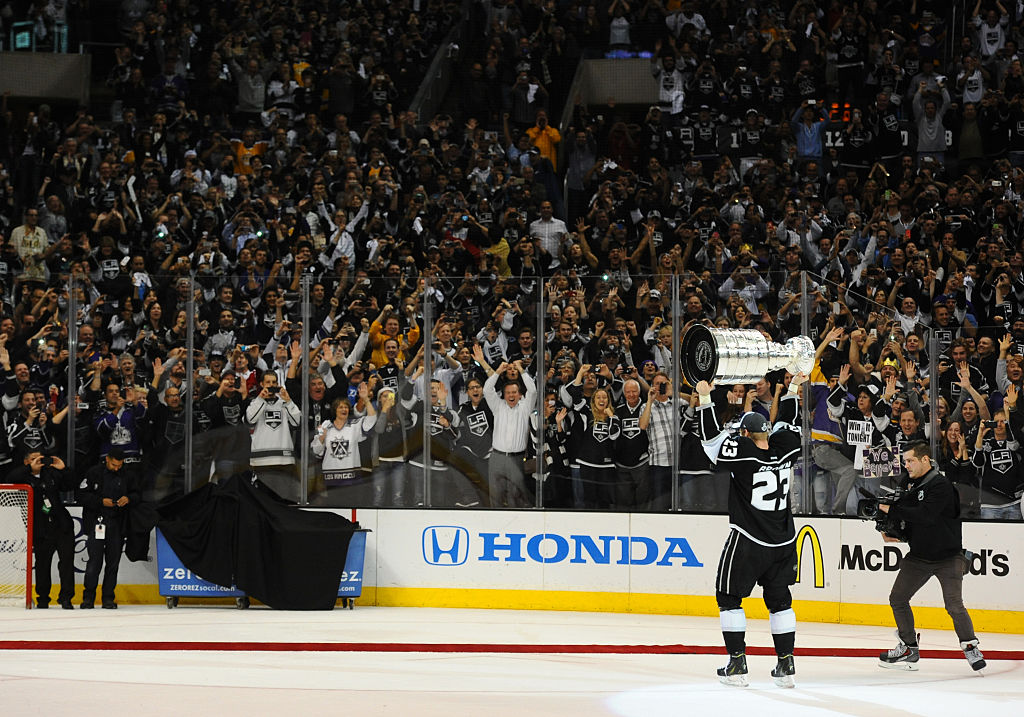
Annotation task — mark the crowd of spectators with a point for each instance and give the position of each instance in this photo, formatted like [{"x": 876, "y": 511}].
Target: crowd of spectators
[{"x": 260, "y": 150}]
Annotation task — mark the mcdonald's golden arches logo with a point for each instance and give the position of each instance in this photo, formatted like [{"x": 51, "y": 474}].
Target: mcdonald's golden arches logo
[{"x": 805, "y": 534}]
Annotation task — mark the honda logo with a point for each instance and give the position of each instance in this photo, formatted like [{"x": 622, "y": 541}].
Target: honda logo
[{"x": 445, "y": 545}]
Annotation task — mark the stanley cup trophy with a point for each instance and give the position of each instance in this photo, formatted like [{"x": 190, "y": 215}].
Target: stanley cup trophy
[{"x": 740, "y": 355}]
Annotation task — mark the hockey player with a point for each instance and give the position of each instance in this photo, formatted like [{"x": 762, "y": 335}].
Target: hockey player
[{"x": 761, "y": 547}]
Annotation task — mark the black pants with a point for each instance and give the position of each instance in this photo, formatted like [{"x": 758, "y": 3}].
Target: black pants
[
  {"x": 63, "y": 544},
  {"x": 914, "y": 573},
  {"x": 631, "y": 488},
  {"x": 106, "y": 551}
]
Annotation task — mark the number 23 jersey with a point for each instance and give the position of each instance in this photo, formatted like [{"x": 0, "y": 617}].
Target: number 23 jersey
[{"x": 760, "y": 479}]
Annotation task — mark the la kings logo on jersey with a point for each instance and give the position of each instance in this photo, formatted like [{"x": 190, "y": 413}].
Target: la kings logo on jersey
[
  {"x": 232, "y": 414},
  {"x": 478, "y": 424},
  {"x": 1001, "y": 460},
  {"x": 174, "y": 431},
  {"x": 273, "y": 417},
  {"x": 109, "y": 268},
  {"x": 630, "y": 427},
  {"x": 340, "y": 447},
  {"x": 435, "y": 424},
  {"x": 600, "y": 431}
]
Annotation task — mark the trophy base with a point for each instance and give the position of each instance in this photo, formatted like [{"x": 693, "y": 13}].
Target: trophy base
[{"x": 699, "y": 355}]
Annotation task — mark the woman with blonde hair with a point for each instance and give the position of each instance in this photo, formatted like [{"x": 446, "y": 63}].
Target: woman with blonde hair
[{"x": 593, "y": 431}]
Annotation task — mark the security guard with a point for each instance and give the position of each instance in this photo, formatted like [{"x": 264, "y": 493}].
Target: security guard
[{"x": 105, "y": 494}]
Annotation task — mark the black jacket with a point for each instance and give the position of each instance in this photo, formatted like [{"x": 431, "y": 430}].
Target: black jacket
[
  {"x": 52, "y": 520},
  {"x": 99, "y": 483},
  {"x": 930, "y": 509}
]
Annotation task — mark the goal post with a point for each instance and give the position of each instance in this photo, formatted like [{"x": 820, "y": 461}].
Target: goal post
[{"x": 15, "y": 545}]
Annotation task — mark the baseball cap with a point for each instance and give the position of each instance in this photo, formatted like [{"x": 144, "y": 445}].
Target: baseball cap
[
  {"x": 655, "y": 294},
  {"x": 754, "y": 422}
]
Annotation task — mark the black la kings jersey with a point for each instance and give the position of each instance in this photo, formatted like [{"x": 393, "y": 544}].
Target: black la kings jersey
[
  {"x": 759, "y": 479},
  {"x": 632, "y": 444}
]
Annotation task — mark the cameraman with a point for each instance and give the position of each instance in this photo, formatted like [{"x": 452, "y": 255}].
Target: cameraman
[{"x": 929, "y": 512}]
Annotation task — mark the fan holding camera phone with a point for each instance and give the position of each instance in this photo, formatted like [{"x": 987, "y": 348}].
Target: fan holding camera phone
[
  {"x": 997, "y": 455},
  {"x": 273, "y": 415}
]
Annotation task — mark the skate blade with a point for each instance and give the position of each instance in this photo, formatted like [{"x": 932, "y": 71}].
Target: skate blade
[
  {"x": 784, "y": 681},
  {"x": 734, "y": 680},
  {"x": 906, "y": 666}
]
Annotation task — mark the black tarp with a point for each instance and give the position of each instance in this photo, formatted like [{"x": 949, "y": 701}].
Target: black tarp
[{"x": 238, "y": 532}]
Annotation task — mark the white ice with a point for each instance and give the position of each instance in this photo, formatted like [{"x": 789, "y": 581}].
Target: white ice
[{"x": 187, "y": 683}]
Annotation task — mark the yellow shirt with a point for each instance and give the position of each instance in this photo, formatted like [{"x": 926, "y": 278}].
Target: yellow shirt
[
  {"x": 247, "y": 159},
  {"x": 546, "y": 140},
  {"x": 500, "y": 251}
]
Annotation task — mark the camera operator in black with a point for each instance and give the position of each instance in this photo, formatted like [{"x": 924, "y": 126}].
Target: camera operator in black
[
  {"x": 105, "y": 494},
  {"x": 930, "y": 512},
  {"x": 761, "y": 547},
  {"x": 53, "y": 529}
]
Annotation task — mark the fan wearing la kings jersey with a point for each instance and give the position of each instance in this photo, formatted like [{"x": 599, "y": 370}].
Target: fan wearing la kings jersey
[
  {"x": 761, "y": 547},
  {"x": 473, "y": 447},
  {"x": 863, "y": 417},
  {"x": 632, "y": 490}
]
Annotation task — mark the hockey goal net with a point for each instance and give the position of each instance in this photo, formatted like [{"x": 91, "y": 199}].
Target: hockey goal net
[{"x": 15, "y": 546}]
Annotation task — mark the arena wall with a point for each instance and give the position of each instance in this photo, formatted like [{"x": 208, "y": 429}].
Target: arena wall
[{"x": 644, "y": 563}]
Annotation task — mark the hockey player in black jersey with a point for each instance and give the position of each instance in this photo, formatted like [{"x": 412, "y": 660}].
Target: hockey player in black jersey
[{"x": 761, "y": 547}]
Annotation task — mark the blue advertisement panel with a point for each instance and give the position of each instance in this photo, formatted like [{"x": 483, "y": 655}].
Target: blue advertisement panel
[
  {"x": 352, "y": 577},
  {"x": 175, "y": 580}
]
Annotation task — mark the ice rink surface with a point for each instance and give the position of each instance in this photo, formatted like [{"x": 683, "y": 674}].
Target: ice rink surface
[{"x": 424, "y": 662}]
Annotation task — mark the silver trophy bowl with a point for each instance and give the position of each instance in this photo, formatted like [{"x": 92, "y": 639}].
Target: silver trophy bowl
[{"x": 740, "y": 355}]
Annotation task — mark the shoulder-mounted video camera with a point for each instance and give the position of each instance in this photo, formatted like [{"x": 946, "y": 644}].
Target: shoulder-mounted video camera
[{"x": 867, "y": 509}]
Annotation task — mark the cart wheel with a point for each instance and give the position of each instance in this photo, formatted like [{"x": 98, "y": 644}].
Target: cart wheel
[
  {"x": 242, "y": 603},
  {"x": 172, "y": 602}
]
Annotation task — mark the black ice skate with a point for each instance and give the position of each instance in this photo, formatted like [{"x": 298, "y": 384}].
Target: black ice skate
[
  {"x": 735, "y": 673},
  {"x": 783, "y": 672}
]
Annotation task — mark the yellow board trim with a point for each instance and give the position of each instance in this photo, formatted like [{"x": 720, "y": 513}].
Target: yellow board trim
[{"x": 930, "y": 618}]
